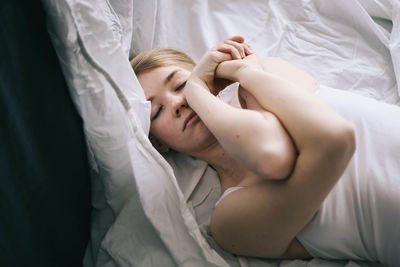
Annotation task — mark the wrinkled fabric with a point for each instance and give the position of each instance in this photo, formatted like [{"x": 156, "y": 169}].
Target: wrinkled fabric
[
  {"x": 89, "y": 41},
  {"x": 140, "y": 215}
]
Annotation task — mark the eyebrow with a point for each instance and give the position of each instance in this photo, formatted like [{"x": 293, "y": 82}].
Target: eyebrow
[
  {"x": 167, "y": 80},
  {"x": 170, "y": 76}
]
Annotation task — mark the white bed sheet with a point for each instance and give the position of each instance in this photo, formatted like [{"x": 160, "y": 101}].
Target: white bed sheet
[
  {"x": 140, "y": 216},
  {"x": 308, "y": 37}
]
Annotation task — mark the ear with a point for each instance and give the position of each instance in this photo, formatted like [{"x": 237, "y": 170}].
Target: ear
[{"x": 162, "y": 148}]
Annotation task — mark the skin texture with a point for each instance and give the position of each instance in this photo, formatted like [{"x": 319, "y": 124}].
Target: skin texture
[
  {"x": 168, "y": 100},
  {"x": 263, "y": 146}
]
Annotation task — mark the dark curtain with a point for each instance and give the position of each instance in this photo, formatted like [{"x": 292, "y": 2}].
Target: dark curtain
[{"x": 44, "y": 175}]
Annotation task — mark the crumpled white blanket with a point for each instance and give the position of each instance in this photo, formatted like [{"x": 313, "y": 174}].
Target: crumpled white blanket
[{"x": 140, "y": 215}]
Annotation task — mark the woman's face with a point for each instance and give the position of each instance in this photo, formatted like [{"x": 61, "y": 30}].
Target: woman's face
[{"x": 173, "y": 122}]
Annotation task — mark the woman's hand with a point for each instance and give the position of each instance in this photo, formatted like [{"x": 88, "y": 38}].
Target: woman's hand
[
  {"x": 233, "y": 49},
  {"x": 231, "y": 69}
]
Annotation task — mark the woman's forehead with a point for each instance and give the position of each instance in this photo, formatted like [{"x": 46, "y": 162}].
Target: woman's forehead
[
  {"x": 154, "y": 80},
  {"x": 151, "y": 80}
]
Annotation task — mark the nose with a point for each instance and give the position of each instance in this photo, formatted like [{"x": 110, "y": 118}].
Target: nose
[{"x": 179, "y": 105}]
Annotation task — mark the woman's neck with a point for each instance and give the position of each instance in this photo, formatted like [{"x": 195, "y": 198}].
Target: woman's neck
[{"x": 230, "y": 172}]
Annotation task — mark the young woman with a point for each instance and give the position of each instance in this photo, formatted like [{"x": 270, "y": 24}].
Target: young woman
[{"x": 292, "y": 187}]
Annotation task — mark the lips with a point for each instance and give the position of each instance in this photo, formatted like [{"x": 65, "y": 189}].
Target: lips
[{"x": 188, "y": 118}]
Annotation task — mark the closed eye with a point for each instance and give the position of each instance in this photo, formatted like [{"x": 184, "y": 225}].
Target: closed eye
[
  {"x": 158, "y": 112},
  {"x": 180, "y": 87}
]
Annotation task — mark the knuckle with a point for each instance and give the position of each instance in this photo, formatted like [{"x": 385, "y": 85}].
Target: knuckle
[
  {"x": 213, "y": 54},
  {"x": 221, "y": 44}
]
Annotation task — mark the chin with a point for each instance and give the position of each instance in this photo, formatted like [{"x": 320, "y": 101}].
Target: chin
[
  {"x": 199, "y": 138},
  {"x": 204, "y": 133}
]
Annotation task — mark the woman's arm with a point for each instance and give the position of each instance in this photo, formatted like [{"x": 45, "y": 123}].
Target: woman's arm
[
  {"x": 294, "y": 106},
  {"x": 284, "y": 70},
  {"x": 256, "y": 140},
  {"x": 290, "y": 73},
  {"x": 262, "y": 220}
]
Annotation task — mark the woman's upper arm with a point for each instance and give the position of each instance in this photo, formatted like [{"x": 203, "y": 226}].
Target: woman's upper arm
[
  {"x": 279, "y": 162},
  {"x": 282, "y": 154},
  {"x": 290, "y": 73},
  {"x": 262, "y": 220}
]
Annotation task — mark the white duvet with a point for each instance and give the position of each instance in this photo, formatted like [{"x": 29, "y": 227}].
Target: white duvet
[{"x": 140, "y": 212}]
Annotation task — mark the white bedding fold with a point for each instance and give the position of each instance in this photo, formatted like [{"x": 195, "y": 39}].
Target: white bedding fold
[
  {"x": 88, "y": 41},
  {"x": 140, "y": 216}
]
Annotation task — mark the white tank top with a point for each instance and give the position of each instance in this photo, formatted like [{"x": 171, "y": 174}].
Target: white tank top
[{"x": 360, "y": 218}]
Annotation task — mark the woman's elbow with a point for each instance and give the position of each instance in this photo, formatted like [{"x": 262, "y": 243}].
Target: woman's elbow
[
  {"x": 346, "y": 139},
  {"x": 340, "y": 143},
  {"x": 277, "y": 164}
]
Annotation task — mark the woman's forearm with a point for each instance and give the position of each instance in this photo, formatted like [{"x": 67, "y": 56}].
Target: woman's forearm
[
  {"x": 244, "y": 134},
  {"x": 308, "y": 120}
]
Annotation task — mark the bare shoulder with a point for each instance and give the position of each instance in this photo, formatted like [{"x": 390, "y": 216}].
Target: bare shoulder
[
  {"x": 290, "y": 72},
  {"x": 239, "y": 213},
  {"x": 242, "y": 223}
]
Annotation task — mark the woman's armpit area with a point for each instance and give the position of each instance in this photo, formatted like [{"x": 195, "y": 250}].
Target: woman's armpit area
[{"x": 296, "y": 251}]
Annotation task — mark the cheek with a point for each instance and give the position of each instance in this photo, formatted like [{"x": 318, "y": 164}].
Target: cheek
[{"x": 165, "y": 130}]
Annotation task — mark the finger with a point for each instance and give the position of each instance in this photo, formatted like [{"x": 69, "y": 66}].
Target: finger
[
  {"x": 239, "y": 47},
  {"x": 237, "y": 38},
  {"x": 228, "y": 48},
  {"x": 224, "y": 48},
  {"x": 219, "y": 56},
  {"x": 248, "y": 49}
]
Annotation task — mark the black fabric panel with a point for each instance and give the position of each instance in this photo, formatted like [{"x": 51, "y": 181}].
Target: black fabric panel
[{"x": 44, "y": 175}]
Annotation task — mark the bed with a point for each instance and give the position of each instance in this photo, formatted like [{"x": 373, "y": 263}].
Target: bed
[{"x": 149, "y": 210}]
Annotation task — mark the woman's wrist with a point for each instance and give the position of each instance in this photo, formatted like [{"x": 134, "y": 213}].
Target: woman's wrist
[
  {"x": 248, "y": 72},
  {"x": 195, "y": 83},
  {"x": 192, "y": 88},
  {"x": 235, "y": 70},
  {"x": 229, "y": 69}
]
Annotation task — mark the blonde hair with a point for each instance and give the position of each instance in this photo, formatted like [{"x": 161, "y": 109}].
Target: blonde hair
[{"x": 161, "y": 57}]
